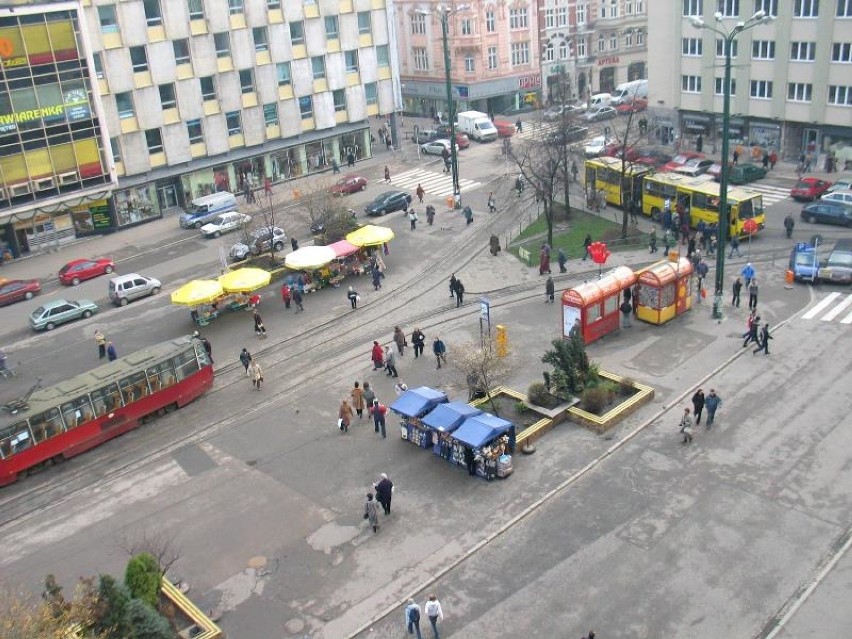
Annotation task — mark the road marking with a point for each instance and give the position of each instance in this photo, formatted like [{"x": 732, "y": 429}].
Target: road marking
[
  {"x": 847, "y": 319},
  {"x": 816, "y": 310},
  {"x": 440, "y": 184},
  {"x": 837, "y": 310}
]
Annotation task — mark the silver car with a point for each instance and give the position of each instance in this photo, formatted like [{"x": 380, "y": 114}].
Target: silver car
[{"x": 56, "y": 312}]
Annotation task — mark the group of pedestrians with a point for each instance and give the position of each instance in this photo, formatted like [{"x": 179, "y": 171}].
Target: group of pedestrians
[
  {"x": 362, "y": 398},
  {"x": 105, "y": 347},
  {"x": 456, "y": 290},
  {"x": 252, "y": 367},
  {"x": 700, "y": 402},
  {"x": 433, "y": 611},
  {"x": 384, "y": 358}
]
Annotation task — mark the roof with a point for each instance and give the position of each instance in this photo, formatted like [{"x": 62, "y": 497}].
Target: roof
[
  {"x": 448, "y": 417},
  {"x": 481, "y": 429},
  {"x": 702, "y": 184},
  {"x": 416, "y": 402},
  {"x": 614, "y": 164}
]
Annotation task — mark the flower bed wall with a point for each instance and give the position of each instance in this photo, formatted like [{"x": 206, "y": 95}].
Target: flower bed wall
[{"x": 602, "y": 423}]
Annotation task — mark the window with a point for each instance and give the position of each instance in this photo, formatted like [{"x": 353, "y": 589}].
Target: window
[
  {"x": 492, "y": 57},
  {"x": 261, "y": 39},
  {"x": 339, "y": 99},
  {"x": 518, "y": 18},
  {"x": 840, "y": 95},
  {"x": 194, "y": 131},
  {"x": 564, "y": 52},
  {"x": 582, "y": 52},
  {"x": 167, "y": 96},
  {"x": 729, "y": 8},
  {"x": 549, "y": 53},
  {"x": 181, "y": 49},
  {"x": 841, "y": 51},
  {"x": 124, "y": 105},
  {"x": 235, "y": 7},
  {"x": 99, "y": 65},
  {"x": 153, "y": 15},
  {"x": 628, "y": 7},
  {"x": 318, "y": 67},
  {"x": 154, "y": 141},
  {"x": 640, "y": 37},
  {"x": 273, "y": 4},
  {"x": 107, "y": 19},
  {"x": 383, "y": 55},
  {"x": 371, "y": 93},
  {"x": 196, "y": 9},
  {"x": 297, "y": 32},
  {"x": 115, "y": 147},
  {"x": 520, "y": 53},
  {"x": 549, "y": 18},
  {"x": 769, "y": 7},
  {"x": 208, "y": 87},
  {"x": 628, "y": 39},
  {"x": 270, "y": 114},
  {"x": 491, "y": 21},
  {"x": 469, "y": 64},
  {"x": 365, "y": 23},
  {"x": 802, "y": 51},
  {"x": 246, "y": 81},
  {"x": 844, "y": 8},
  {"x": 561, "y": 16},
  {"x": 222, "y": 43},
  {"x": 139, "y": 59},
  {"x": 720, "y": 48},
  {"x": 234, "y": 123},
  {"x": 640, "y": 7},
  {"x": 601, "y": 42},
  {"x": 720, "y": 82},
  {"x": 418, "y": 24},
  {"x": 582, "y": 12},
  {"x": 763, "y": 49},
  {"x": 351, "y": 59},
  {"x": 466, "y": 26},
  {"x": 282, "y": 71},
  {"x": 806, "y": 8},
  {"x": 332, "y": 29},
  {"x": 690, "y": 83},
  {"x": 613, "y": 8},
  {"x": 306, "y": 107},
  {"x": 421, "y": 58},
  {"x": 613, "y": 40},
  {"x": 799, "y": 92},
  {"x": 761, "y": 89},
  {"x": 691, "y": 46}
]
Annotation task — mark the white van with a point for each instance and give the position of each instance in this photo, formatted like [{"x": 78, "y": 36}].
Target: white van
[
  {"x": 628, "y": 91},
  {"x": 205, "y": 208},
  {"x": 599, "y": 101}
]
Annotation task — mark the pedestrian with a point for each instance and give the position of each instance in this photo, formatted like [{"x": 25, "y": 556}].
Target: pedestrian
[
  {"x": 256, "y": 374},
  {"x": 519, "y": 184},
  {"x": 208, "y": 348},
  {"x": 453, "y": 283},
  {"x": 378, "y": 411},
  {"x": 626, "y": 309},
  {"x": 712, "y": 403},
  {"x": 412, "y": 218},
  {"x": 259, "y": 328},
  {"x": 701, "y": 271},
  {"x": 789, "y": 223},
  {"x": 699, "y": 143},
  {"x": 297, "y": 299},
  {"x": 470, "y": 461},
  {"x": 749, "y": 321},
  {"x": 440, "y": 351},
  {"x": 357, "y": 395},
  {"x": 344, "y": 415},
  {"x": 752, "y": 294},
  {"x": 371, "y": 512},
  {"x": 445, "y": 156},
  {"x": 652, "y": 241},
  {"x": 399, "y": 340},
  {"x": 267, "y": 186},
  {"x": 420, "y": 193},
  {"x": 753, "y": 333},
  {"x": 735, "y": 245},
  {"x": 773, "y": 159},
  {"x": 686, "y": 426},
  {"x": 418, "y": 339},
  {"x": 294, "y": 243},
  {"x": 468, "y": 215},
  {"x": 549, "y": 290},
  {"x": 390, "y": 362},
  {"x": 586, "y": 244},
  {"x": 748, "y": 274},
  {"x": 809, "y": 158},
  {"x": 765, "y": 160},
  {"x": 576, "y": 330},
  {"x": 459, "y": 293},
  {"x": 387, "y": 174},
  {"x": 433, "y": 611},
  {"x": 110, "y": 352},
  {"x": 335, "y": 166},
  {"x": 561, "y": 259},
  {"x": 698, "y": 403},
  {"x": 378, "y": 356},
  {"x": 286, "y": 295},
  {"x": 352, "y": 295},
  {"x": 738, "y": 287},
  {"x": 430, "y": 214},
  {"x": 544, "y": 259},
  {"x": 519, "y": 126},
  {"x": 763, "y": 340},
  {"x": 384, "y": 492},
  {"x": 350, "y": 159},
  {"x": 368, "y": 394},
  {"x": 574, "y": 171},
  {"x": 412, "y": 617},
  {"x": 100, "y": 340},
  {"x": 601, "y": 200},
  {"x": 491, "y": 206},
  {"x": 736, "y": 157},
  {"x": 690, "y": 247},
  {"x": 245, "y": 360}
]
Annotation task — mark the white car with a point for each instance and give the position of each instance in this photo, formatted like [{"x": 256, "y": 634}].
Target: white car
[
  {"x": 436, "y": 147},
  {"x": 838, "y": 196},
  {"x": 841, "y": 184},
  {"x": 595, "y": 146},
  {"x": 225, "y": 223}
]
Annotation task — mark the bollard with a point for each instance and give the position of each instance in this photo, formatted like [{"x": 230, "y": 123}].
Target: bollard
[{"x": 789, "y": 276}]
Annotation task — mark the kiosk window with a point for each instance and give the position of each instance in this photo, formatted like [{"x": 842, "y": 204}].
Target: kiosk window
[
  {"x": 46, "y": 425},
  {"x": 106, "y": 399},
  {"x": 649, "y": 297},
  {"x": 134, "y": 387},
  {"x": 14, "y": 439},
  {"x": 77, "y": 412},
  {"x": 667, "y": 295},
  {"x": 593, "y": 313},
  {"x": 610, "y": 304},
  {"x": 186, "y": 364}
]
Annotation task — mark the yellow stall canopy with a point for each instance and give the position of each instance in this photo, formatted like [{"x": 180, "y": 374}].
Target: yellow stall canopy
[
  {"x": 198, "y": 292},
  {"x": 244, "y": 280},
  {"x": 370, "y": 235}
]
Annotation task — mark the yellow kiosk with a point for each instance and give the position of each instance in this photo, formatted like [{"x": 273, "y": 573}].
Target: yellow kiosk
[{"x": 664, "y": 290}]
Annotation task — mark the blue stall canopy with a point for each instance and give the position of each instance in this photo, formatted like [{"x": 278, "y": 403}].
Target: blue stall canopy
[
  {"x": 416, "y": 402},
  {"x": 479, "y": 430},
  {"x": 447, "y": 417}
]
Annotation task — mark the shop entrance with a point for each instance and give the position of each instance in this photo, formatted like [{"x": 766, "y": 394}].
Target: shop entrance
[
  {"x": 168, "y": 197},
  {"x": 607, "y": 80}
]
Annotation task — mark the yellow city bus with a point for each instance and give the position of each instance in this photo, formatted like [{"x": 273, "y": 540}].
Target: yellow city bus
[
  {"x": 700, "y": 196},
  {"x": 604, "y": 173}
]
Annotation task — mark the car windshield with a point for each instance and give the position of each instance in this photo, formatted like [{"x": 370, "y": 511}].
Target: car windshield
[
  {"x": 804, "y": 259},
  {"x": 841, "y": 259},
  {"x": 801, "y": 184},
  {"x": 39, "y": 311}
]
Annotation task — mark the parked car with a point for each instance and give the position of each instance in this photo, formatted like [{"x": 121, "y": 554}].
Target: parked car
[
  {"x": 604, "y": 113},
  {"x": 462, "y": 140},
  {"x": 595, "y": 146},
  {"x": 77, "y": 271},
  {"x": 694, "y": 167},
  {"x": 715, "y": 171},
  {"x": 60, "y": 311},
  {"x": 424, "y": 135},
  {"x": 636, "y": 106},
  {"x": 436, "y": 147},
  {"x": 680, "y": 159},
  {"x": 809, "y": 188},
  {"x": 504, "y": 129},
  {"x": 443, "y": 131},
  {"x": 569, "y": 135},
  {"x": 557, "y": 112},
  {"x": 348, "y": 184},
  {"x": 841, "y": 184},
  {"x": 12, "y": 291},
  {"x": 837, "y": 196},
  {"x": 742, "y": 173},
  {"x": 126, "y": 288},
  {"x": 259, "y": 241},
  {"x": 651, "y": 157},
  {"x": 225, "y": 223},
  {"x": 828, "y": 213},
  {"x": 388, "y": 202}
]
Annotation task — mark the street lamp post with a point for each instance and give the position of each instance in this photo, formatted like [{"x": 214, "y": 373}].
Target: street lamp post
[
  {"x": 454, "y": 159},
  {"x": 759, "y": 17}
]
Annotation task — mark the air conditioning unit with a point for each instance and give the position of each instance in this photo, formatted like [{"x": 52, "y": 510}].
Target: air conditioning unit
[
  {"x": 68, "y": 178},
  {"x": 44, "y": 184},
  {"x": 20, "y": 189}
]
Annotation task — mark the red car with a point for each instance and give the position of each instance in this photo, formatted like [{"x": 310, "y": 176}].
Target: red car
[
  {"x": 462, "y": 141},
  {"x": 681, "y": 159},
  {"x": 16, "y": 290},
  {"x": 78, "y": 270},
  {"x": 638, "y": 104},
  {"x": 348, "y": 184},
  {"x": 504, "y": 129},
  {"x": 809, "y": 188}
]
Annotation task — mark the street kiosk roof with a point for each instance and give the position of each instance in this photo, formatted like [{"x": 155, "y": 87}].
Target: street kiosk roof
[
  {"x": 416, "y": 402},
  {"x": 343, "y": 248},
  {"x": 481, "y": 429},
  {"x": 447, "y": 417}
]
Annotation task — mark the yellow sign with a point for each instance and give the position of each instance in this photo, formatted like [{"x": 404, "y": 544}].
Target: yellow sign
[{"x": 56, "y": 110}]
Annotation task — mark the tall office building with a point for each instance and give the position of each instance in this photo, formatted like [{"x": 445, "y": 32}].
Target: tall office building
[
  {"x": 791, "y": 86},
  {"x": 209, "y": 95}
]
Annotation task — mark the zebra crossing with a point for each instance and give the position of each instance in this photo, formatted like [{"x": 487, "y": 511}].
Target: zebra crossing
[
  {"x": 439, "y": 184},
  {"x": 834, "y": 307},
  {"x": 771, "y": 194},
  {"x": 536, "y": 130}
]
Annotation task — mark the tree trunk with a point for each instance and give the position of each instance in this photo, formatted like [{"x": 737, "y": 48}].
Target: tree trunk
[{"x": 548, "y": 215}]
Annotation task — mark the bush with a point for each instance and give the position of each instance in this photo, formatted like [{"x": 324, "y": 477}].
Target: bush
[
  {"x": 626, "y": 387},
  {"x": 142, "y": 578},
  {"x": 520, "y": 407},
  {"x": 538, "y": 394},
  {"x": 594, "y": 400},
  {"x": 147, "y": 622}
]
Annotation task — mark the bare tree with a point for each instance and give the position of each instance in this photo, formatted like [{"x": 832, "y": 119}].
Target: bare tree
[
  {"x": 539, "y": 162},
  {"x": 481, "y": 368},
  {"x": 329, "y": 216},
  {"x": 266, "y": 210},
  {"x": 159, "y": 545},
  {"x": 22, "y": 616}
]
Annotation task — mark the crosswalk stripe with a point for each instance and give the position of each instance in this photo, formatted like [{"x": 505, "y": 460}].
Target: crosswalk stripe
[
  {"x": 439, "y": 184},
  {"x": 816, "y": 310},
  {"x": 837, "y": 310},
  {"x": 847, "y": 319}
]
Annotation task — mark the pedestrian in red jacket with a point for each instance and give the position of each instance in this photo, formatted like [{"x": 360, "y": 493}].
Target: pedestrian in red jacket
[{"x": 378, "y": 355}]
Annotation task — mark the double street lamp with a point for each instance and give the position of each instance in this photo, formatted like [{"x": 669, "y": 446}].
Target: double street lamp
[{"x": 728, "y": 36}]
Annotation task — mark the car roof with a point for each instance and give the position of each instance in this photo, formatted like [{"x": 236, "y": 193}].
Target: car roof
[{"x": 57, "y": 302}]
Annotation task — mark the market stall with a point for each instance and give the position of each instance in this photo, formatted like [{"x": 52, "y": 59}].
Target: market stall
[
  {"x": 201, "y": 296},
  {"x": 485, "y": 442},
  {"x": 443, "y": 420},
  {"x": 352, "y": 260},
  {"x": 412, "y": 405},
  {"x": 596, "y": 304},
  {"x": 371, "y": 235},
  {"x": 664, "y": 290},
  {"x": 314, "y": 264}
]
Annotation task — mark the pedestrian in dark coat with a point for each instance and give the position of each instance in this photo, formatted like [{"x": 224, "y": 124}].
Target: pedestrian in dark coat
[
  {"x": 377, "y": 279},
  {"x": 399, "y": 340},
  {"x": 294, "y": 243},
  {"x": 259, "y": 328},
  {"x": 208, "y": 347},
  {"x": 245, "y": 360},
  {"x": 738, "y": 287},
  {"x": 561, "y": 258},
  {"x": 753, "y": 333},
  {"x": 378, "y": 411},
  {"x": 453, "y": 283},
  {"x": 297, "y": 298},
  {"x": 440, "y": 351},
  {"x": 763, "y": 341},
  {"x": 698, "y": 405},
  {"x": 387, "y": 174},
  {"x": 586, "y": 244},
  {"x": 626, "y": 309},
  {"x": 352, "y": 295},
  {"x": 549, "y": 290},
  {"x": 384, "y": 492},
  {"x": 371, "y": 512},
  {"x": 418, "y": 339},
  {"x": 111, "y": 353},
  {"x": 752, "y": 294},
  {"x": 652, "y": 241},
  {"x": 459, "y": 293},
  {"x": 712, "y": 403}
]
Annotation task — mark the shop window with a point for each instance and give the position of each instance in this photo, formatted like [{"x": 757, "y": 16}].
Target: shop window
[
  {"x": 270, "y": 114},
  {"x": 339, "y": 98},
  {"x": 306, "y": 107},
  {"x": 282, "y": 70},
  {"x": 469, "y": 64},
  {"x": 382, "y": 56},
  {"x": 195, "y": 131},
  {"x": 208, "y": 87},
  {"x": 196, "y": 9},
  {"x": 181, "y": 50},
  {"x": 154, "y": 141},
  {"x": 297, "y": 32},
  {"x": 139, "y": 59},
  {"x": 246, "y": 81},
  {"x": 99, "y": 65},
  {"x": 351, "y": 58},
  {"x": 261, "y": 39},
  {"x": 222, "y": 44},
  {"x": 318, "y": 67},
  {"x": 365, "y": 24},
  {"x": 107, "y": 18},
  {"x": 14, "y": 439},
  {"x": 273, "y": 4},
  {"x": 124, "y": 105},
  {"x": 332, "y": 29},
  {"x": 235, "y": 7},
  {"x": 77, "y": 412},
  {"x": 167, "y": 96},
  {"x": 371, "y": 93},
  {"x": 234, "y": 123},
  {"x": 153, "y": 14}
]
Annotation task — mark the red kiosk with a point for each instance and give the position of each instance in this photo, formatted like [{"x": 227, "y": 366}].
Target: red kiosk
[{"x": 596, "y": 304}]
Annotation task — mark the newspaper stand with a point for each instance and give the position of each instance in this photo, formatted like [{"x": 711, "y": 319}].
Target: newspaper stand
[
  {"x": 596, "y": 304},
  {"x": 664, "y": 290}
]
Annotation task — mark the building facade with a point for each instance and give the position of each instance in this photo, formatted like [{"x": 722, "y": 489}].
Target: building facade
[
  {"x": 230, "y": 95},
  {"x": 791, "y": 83}
]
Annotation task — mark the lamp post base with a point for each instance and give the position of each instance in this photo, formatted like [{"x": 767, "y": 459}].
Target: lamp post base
[{"x": 717, "y": 306}]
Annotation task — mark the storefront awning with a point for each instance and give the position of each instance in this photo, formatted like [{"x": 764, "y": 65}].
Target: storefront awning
[
  {"x": 447, "y": 417},
  {"x": 416, "y": 402},
  {"x": 481, "y": 429}
]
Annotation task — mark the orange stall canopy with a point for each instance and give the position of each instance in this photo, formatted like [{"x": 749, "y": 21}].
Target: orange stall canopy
[
  {"x": 596, "y": 304},
  {"x": 664, "y": 290}
]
